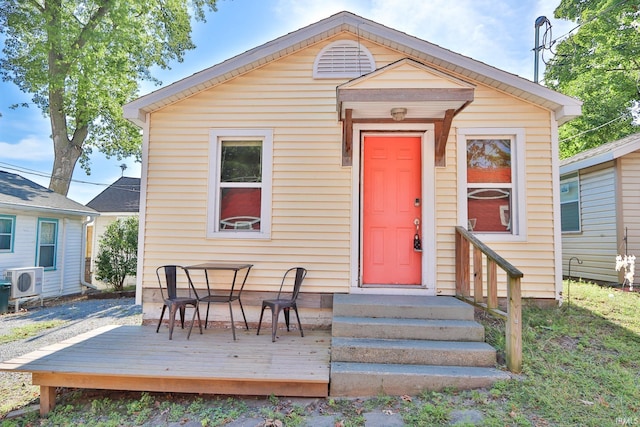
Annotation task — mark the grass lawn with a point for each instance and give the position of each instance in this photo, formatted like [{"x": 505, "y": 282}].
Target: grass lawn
[{"x": 581, "y": 368}]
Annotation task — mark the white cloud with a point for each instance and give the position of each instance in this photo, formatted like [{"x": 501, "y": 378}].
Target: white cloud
[{"x": 30, "y": 148}]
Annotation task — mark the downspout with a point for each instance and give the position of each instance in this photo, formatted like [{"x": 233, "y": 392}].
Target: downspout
[
  {"x": 83, "y": 252},
  {"x": 142, "y": 210},
  {"x": 557, "y": 229}
]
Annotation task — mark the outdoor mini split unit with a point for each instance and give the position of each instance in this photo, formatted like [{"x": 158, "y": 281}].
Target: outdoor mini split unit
[{"x": 25, "y": 282}]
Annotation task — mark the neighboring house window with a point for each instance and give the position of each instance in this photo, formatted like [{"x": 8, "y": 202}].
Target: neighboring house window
[
  {"x": 492, "y": 170},
  {"x": 7, "y": 232},
  {"x": 240, "y": 183},
  {"x": 47, "y": 243},
  {"x": 570, "y": 203},
  {"x": 343, "y": 59}
]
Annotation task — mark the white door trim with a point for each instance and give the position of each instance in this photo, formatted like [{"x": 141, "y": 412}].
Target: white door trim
[{"x": 428, "y": 209}]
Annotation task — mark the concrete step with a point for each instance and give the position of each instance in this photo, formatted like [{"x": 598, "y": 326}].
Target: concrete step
[
  {"x": 412, "y": 352},
  {"x": 371, "y": 379},
  {"x": 401, "y": 306},
  {"x": 419, "y": 329}
]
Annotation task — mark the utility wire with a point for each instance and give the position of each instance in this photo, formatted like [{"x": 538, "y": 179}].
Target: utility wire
[
  {"x": 21, "y": 169},
  {"x": 552, "y": 42},
  {"x": 591, "y": 130}
]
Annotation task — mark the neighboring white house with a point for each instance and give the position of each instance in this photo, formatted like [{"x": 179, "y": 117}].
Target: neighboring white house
[
  {"x": 41, "y": 228},
  {"x": 120, "y": 200},
  {"x": 600, "y": 205}
]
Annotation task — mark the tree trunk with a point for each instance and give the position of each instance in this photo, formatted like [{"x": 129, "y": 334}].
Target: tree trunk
[
  {"x": 66, "y": 156},
  {"x": 66, "y": 152}
]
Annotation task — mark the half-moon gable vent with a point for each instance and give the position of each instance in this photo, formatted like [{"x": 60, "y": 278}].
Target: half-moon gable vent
[{"x": 343, "y": 58}]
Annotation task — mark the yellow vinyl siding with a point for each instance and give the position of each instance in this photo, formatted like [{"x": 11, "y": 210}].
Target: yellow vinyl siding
[
  {"x": 312, "y": 192},
  {"x": 535, "y": 256}
]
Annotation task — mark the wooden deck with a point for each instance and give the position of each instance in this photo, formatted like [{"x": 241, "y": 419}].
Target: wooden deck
[{"x": 138, "y": 358}]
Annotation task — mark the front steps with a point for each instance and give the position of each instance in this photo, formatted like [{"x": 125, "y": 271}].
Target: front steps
[{"x": 396, "y": 345}]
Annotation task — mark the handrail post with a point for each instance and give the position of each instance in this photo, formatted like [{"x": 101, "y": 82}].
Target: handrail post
[
  {"x": 492, "y": 284},
  {"x": 513, "y": 344},
  {"x": 462, "y": 265},
  {"x": 513, "y": 327},
  {"x": 478, "y": 296}
]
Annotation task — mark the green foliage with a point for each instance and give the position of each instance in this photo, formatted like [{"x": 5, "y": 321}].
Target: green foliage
[
  {"x": 82, "y": 60},
  {"x": 118, "y": 253},
  {"x": 599, "y": 65}
]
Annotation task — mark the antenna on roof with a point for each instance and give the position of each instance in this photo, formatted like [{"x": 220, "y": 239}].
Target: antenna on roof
[{"x": 123, "y": 167}]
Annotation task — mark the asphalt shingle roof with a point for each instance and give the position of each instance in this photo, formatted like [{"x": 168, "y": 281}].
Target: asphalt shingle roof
[
  {"x": 19, "y": 192},
  {"x": 121, "y": 196},
  {"x": 602, "y": 149}
]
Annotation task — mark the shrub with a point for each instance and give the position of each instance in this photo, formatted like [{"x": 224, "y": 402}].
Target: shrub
[{"x": 118, "y": 254}]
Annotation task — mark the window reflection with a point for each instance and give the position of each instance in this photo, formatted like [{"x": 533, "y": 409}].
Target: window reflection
[{"x": 489, "y": 190}]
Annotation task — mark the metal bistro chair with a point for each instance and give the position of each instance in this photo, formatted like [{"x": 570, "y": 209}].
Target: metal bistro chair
[
  {"x": 168, "y": 288},
  {"x": 284, "y": 304}
]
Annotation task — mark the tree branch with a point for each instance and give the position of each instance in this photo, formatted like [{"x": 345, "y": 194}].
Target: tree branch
[
  {"x": 92, "y": 23},
  {"x": 37, "y": 5}
]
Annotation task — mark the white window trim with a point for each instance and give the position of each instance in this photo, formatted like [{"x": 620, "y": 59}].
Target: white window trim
[
  {"x": 567, "y": 178},
  {"x": 12, "y": 233},
  {"x": 55, "y": 243},
  {"x": 215, "y": 137},
  {"x": 519, "y": 220}
]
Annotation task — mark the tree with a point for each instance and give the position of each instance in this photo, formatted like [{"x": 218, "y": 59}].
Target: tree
[
  {"x": 82, "y": 60},
  {"x": 118, "y": 254},
  {"x": 599, "y": 64}
]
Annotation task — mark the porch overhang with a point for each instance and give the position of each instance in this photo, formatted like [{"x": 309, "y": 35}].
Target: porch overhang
[{"x": 423, "y": 105}]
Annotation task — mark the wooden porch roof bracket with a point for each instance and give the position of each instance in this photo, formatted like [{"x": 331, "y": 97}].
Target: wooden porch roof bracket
[{"x": 430, "y": 102}]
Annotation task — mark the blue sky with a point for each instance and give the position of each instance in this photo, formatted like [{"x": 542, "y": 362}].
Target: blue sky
[{"x": 497, "y": 32}]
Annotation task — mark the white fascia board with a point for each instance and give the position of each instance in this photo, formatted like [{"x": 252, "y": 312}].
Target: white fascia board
[
  {"x": 626, "y": 149},
  {"x": 568, "y": 112},
  {"x": 586, "y": 163},
  {"x": 48, "y": 210}
]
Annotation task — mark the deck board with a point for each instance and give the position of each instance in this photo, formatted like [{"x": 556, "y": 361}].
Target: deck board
[{"x": 138, "y": 358}]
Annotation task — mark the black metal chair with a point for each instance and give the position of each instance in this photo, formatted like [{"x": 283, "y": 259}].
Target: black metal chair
[
  {"x": 168, "y": 288},
  {"x": 284, "y": 304}
]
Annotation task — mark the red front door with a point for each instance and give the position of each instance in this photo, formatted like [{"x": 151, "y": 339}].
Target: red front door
[{"x": 392, "y": 199}]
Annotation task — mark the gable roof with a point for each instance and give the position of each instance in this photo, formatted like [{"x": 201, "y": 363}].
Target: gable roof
[
  {"x": 17, "y": 192},
  {"x": 601, "y": 154},
  {"x": 121, "y": 196},
  {"x": 564, "y": 107}
]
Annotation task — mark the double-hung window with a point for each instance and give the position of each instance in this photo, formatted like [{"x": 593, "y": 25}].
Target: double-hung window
[
  {"x": 240, "y": 183},
  {"x": 7, "y": 232},
  {"x": 491, "y": 172},
  {"x": 570, "y": 203},
  {"x": 47, "y": 243}
]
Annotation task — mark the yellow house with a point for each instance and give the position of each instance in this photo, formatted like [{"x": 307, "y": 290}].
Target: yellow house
[{"x": 353, "y": 150}]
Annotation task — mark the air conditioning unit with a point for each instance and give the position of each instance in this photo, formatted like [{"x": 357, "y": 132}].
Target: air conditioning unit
[{"x": 25, "y": 282}]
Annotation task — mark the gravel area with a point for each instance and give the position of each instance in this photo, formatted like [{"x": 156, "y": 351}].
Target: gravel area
[{"x": 78, "y": 314}]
